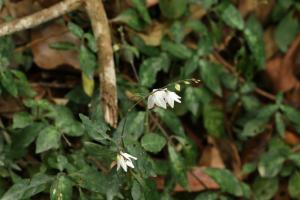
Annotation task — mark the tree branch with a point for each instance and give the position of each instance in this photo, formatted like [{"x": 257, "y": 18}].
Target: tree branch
[
  {"x": 107, "y": 75},
  {"x": 101, "y": 29},
  {"x": 40, "y": 17}
]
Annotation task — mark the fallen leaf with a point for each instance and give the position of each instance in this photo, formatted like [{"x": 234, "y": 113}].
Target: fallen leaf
[
  {"x": 48, "y": 58},
  {"x": 270, "y": 44},
  {"x": 283, "y": 74},
  {"x": 262, "y": 9},
  {"x": 197, "y": 179},
  {"x": 211, "y": 155},
  {"x": 291, "y": 138},
  {"x": 154, "y": 34}
]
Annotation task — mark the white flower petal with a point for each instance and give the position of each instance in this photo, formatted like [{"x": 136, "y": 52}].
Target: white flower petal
[
  {"x": 171, "y": 97},
  {"x": 128, "y": 156},
  {"x": 150, "y": 102},
  {"x": 123, "y": 163},
  {"x": 170, "y": 101},
  {"x": 129, "y": 164},
  {"x": 160, "y": 99}
]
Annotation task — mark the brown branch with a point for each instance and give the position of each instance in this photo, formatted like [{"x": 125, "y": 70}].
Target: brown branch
[
  {"x": 232, "y": 70},
  {"x": 107, "y": 75},
  {"x": 101, "y": 31},
  {"x": 39, "y": 17}
]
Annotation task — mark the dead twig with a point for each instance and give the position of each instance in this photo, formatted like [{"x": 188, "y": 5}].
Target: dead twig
[
  {"x": 40, "y": 17},
  {"x": 101, "y": 29},
  {"x": 107, "y": 75}
]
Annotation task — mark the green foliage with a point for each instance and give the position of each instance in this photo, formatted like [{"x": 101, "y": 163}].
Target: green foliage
[
  {"x": 153, "y": 142},
  {"x": 209, "y": 53},
  {"x": 173, "y": 9},
  {"x": 254, "y": 37},
  {"x": 283, "y": 37},
  {"x": 226, "y": 180}
]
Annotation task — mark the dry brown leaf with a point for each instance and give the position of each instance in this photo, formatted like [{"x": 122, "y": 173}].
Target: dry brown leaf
[
  {"x": 9, "y": 106},
  {"x": 291, "y": 138},
  {"x": 270, "y": 44},
  {"x": 230, "y": 155},
  {"x": 262, "y": 9},
  {"x": 283, "y": 73},
  {"x": 154, "y": 34},
  {"x": 197, "y": 179},
  {"x": 48, "y": 58},
  {"x": 211, "y": 155}
]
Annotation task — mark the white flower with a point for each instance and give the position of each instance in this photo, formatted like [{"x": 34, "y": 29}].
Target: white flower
[
  {"x": 162, "y": 97},
  {"x": 170, "y": 97},
  {"x": 157, "y": 98},
  {"x": 124, "y": 161}
]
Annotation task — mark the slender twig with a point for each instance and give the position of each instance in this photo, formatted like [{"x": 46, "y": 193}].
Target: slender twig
[
  {"x": 39, "y": 17},
  {"x": 232, "y": 70}
]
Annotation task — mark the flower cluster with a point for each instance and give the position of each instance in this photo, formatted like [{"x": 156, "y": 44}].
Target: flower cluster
[
  {"x": 162, "y": 97},
  {"x": 124, "y": 161}
]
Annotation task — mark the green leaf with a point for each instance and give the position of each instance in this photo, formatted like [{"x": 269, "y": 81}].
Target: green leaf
[
  {"x": 96, "y": 130},
  {"x": 136, "y": 191},
  {"x": 231, "y": 16},
  {"x": 102, "y": 153},
  {"x": 143, "y": 48},
  {"x": 265, "y": 188},
  {"x": 270, "y": 164},
  {"x": 62, "y": 46},
  {"x": 91, "y": 42},
  {"x": 150, "y": 67},
  {"x": 26, "y": 188},
  {"x": 209, "y": 195},
  {"x": 27, "y": 135},
  {"x": 153, "y": 142},
  {"x": 171, "y": 120},
  {"x": 75, "y": 29},
  {"x": 173, "y": 9},
  {"x": 213, "y": 120},
  {"x": 254, "y": 37},
  {"x": 87, "y": 61},
  {"x": 140, "y": 5},
  {"x": 131, "y": 18},
  {"x": 65, "y": 121},
  {"x": 8, "y": 82},
  {"x": 61, "y": 189},
  {"x": 210, "y": 75},
  {"x": 177, "y": 50},
  {"x": 192, "y": 97},
  {"x": 178, "y": 167},
  {"x": 280, "y": 126},
  {"x": 190, "y": 66},
  {"x": 37, "y": 184},
  {"x": 48, "y": 138},
  {"x": 249, "y": 168},
  {"x": 135, "y": 125},
  {"x": 292, "y": 114},
  {"x": 93, "y": 180},
  {"x": 294, "y": 185},
  {"x": 17, "y": 191},
  {"x": 284, "y": 38},
  {"x": 21, "y": 120},
  {"x": 295, "y": 157},
  {"x": 253, "y": 127},
  {"x": 226, "y": 180}
]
